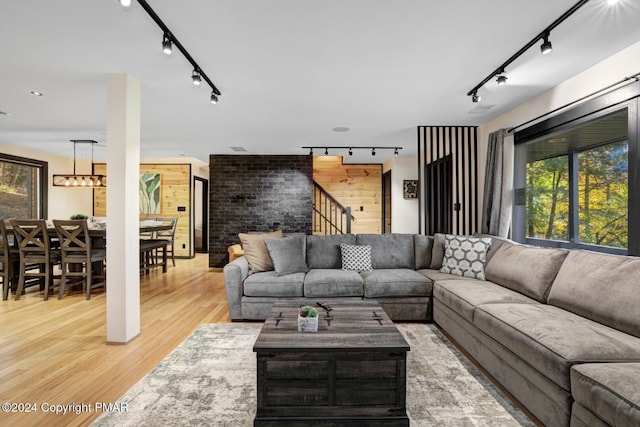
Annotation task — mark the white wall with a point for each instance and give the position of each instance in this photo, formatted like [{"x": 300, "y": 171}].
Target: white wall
[{"x": 404, "y": 212}]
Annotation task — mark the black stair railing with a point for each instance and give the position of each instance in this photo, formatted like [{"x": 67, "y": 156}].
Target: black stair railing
[{"x": 329, "y": 215}]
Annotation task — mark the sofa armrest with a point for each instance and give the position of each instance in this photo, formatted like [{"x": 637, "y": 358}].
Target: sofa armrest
[{"x": 234, "y": 274}]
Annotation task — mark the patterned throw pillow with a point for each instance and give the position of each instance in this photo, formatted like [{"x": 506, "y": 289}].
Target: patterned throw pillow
[
  {"x": 356, "y": 257},
  {"x": 465, "y": 256}
]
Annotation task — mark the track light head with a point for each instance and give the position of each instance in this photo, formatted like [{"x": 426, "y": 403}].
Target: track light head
[
  {"x": 167, "y": 46},
  {"x": 311, "y": 151},
  {"x": 502, "y": 80},
  {"x": 373, "y": 151},
  {"x": 546, "y": 46},
  {"x": 126, "y": 4},
  {"x": 196, "y": 78},
  {"x": 395, "y": 152},
  {"x": 326, "y": 151},
  {"x": 475, "y": 97},
  {"x": 350, "y": 151},
  {"x": 214, "y": 98}
]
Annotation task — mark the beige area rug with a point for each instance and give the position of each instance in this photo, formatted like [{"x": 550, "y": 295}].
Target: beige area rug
[{"x": 210, "y": 380}]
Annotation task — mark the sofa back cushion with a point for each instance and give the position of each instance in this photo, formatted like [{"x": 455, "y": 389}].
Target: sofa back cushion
[
  {"x": 423, "y": 246},
  {"x": 525, "y": 269},
  {"x": 389, "y": 250},
  {"x": 601, "y": 287},
  {"x": 324, "y": 251}
]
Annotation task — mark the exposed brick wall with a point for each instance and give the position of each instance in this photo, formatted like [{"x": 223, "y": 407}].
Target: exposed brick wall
[{"x": 257, "y": 193}]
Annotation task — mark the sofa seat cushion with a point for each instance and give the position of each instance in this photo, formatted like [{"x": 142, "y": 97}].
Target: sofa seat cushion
[
  {"x": 397, "y": 282},
  {"x": 435, "y": 275},
  {"x": 463, "y": 296},
  {"x": 552, "y": 340},
  {"x": 609, "y": 390},
  {"x": 332, "y": 283},
  {"x": 268, "y": 284}
]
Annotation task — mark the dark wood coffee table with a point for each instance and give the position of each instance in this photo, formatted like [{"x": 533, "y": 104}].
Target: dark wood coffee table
[{"x": 351, "y": 372}]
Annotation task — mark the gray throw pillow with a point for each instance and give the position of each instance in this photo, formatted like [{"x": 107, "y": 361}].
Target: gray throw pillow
[{"x": 287, "y": 254}]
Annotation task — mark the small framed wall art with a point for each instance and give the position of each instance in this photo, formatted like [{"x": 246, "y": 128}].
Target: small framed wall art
[{"x": 410, "y": 189}]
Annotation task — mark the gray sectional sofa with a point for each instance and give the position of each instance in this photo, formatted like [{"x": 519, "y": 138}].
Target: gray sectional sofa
[{"x": 559, "y": 329}]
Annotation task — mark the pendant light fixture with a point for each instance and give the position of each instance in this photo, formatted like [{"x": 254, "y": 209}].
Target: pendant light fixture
[{"x": 80, "y": 180}]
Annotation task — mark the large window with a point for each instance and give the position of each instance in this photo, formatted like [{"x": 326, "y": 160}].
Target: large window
[
  {"x": 576, "y": 182},
  {"x": 22, "y": 187}
]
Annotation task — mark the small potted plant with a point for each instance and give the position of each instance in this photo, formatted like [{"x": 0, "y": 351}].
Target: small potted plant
[
  {"x": 307, "y": 319},
  {"x": 79, "y": 216}
]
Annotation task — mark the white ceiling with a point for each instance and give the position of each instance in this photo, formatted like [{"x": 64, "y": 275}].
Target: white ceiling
[{"x": 289, "y": 70}]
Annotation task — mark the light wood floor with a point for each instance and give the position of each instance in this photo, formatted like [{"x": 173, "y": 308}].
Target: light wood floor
[{"x": 55, "y": 352}]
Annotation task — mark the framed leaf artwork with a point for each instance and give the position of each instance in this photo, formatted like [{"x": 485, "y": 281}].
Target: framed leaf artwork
[{"x": 149, "y": 193}]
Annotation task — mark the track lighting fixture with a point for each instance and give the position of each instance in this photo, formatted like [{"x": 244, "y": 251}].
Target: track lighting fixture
[
  {"x": 169, "y": 40},
  {"x": 196, "y": 78},
  {"x": 396, "y": 150},
  {"x": 475, "y": 97},
  {"x": 546, "y": 46},
  {"x": 167, "y": 46}
]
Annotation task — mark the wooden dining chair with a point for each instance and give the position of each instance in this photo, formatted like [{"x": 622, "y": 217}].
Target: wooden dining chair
[
  {"x": 9, "y": 259},
  {"x": 34, "y": 245},
  {"x": 80, "y": 261},
  {"x": 168, "y": 235}
]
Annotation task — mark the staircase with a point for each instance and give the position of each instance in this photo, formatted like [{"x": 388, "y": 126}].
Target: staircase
[{"x": 329, "y": 215}]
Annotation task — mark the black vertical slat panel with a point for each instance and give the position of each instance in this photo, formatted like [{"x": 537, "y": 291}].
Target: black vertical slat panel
[
  {"x": 420, "y": 181},
  {"x": 475, "y": 177},
  {"x": 467, "y": 181},
  {"x": 459, "y": 176},
  {"x": 431, "y": 216}
]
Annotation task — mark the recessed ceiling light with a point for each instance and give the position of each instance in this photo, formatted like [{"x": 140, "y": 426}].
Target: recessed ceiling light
[
  {"x": 237, "y": 148},
  {"x": 36, "y": 93},
  {"x": 341, "y": 129}
]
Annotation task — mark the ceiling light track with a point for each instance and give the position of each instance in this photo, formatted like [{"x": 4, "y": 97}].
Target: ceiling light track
[
  {"x": 545, "y": 49},
  {"x": 169, "y": 37},
  {"x": 350, "y": 149}
]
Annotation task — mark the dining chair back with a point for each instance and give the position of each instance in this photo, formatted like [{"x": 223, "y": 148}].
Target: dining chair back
[
  {"x": 34, "y": 245},
  {"x": 168, "y": 235},
  {"x": 80, "y": 262},
  {"x": 9, "y": 258}
]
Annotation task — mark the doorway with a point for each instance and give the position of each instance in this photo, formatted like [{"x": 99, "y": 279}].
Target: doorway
[
  {"x": 386, "y": 202},
  {"x": 201, "y": 214},
  {"x": 439, "y": 196}
]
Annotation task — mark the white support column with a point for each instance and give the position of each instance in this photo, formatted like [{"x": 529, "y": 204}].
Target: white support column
[{"x": 123, "y": 174}]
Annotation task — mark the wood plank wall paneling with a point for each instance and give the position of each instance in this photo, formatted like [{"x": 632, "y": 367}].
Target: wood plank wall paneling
[
  {"x": 450, "y": 151},
  {"x": 175, "y": 180},
  {"x": 353, "y": 185}
]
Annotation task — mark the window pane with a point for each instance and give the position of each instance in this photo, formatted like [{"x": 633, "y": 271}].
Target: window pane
[
  {"x": 548, "y": 199},
  {"x": 19, "y": 190},
  {"x": 603, "y": 195}
]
